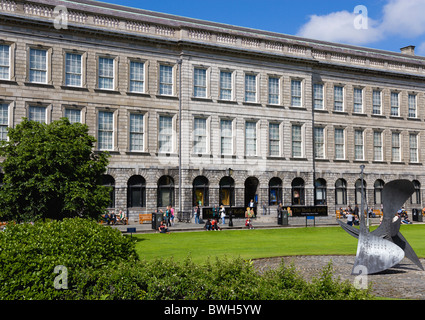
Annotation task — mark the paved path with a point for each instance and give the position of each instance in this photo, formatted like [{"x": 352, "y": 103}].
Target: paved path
[
  {"x": 262, "y": 222},
  {"x": 403, "y": 281}
]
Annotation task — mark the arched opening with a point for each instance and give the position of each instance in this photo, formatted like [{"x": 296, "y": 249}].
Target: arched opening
[
  {"x": 275, "y": 191},
  {"x": 136, "y": 192},
  {"x": 165, "y": 191},
  {"x": 200, "y": 191},
  {"x": 251, "y": 190},
  {"x": 227, "y": 191},
  {"x": 298, "y": 192}
]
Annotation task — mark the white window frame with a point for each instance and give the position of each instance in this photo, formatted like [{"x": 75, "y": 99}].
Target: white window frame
[
  {"x": 110, "y": 131},
  {"x": 202, "y": 85},
  {"x": 9, "y": 64},
  {"x": 374, "y": 104},
  {"x": 395, "y": 146},
  {"x": 412, "y": 107},
  {"x": 132, "y": 133},
  {"x": 339, "y": 102},
  {"x": 31, "y": 68},
  {"x": 413, "y": 150},
  {"x": 162, "y": 83},
  {"x": 375, "y": 146},
  {"x": 358, "y": 100},
  {"x": 343, "y": 144},
  {"x": 222, "y": 89},
  {"x": 394, "y": 104},
  {"x": 319, "y": 146},
  {"x": 249, "y": 88},
  {"x": 82, "y": 68},
  {"x": 197, "y": 133},
  {"x": 300, "y": 141},
  {"x": 318, "y": 97},
  {"x": 142, "y": 80},
  {"x": 357, "y": 144},
  {"x": 295, "y": 94},
  {"x": 228, "y": 138},
  {"x": 278, "y": 140},
  {"x": 114, "y": 73},
  {"x": 274, "y": 94},
  {"x": 4, "y": 120},
  {"x": 171, "y": 134},
  {"x": 254, "y": 139}
]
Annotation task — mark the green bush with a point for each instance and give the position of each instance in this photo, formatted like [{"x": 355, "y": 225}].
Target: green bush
[
  {"x": 29, "y": 254},
  {"x": 102, "y": 264}
]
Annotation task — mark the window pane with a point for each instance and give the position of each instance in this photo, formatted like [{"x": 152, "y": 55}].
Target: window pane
[
  {"x": 394, "y": 104},
  {"x": 73, "y": 115},
  {"x": 251, "y": 138},
  {"x": 338, "y": 98},
  {"x": 274, "y": 140},
  {"x": 106, "y": 73},
  {"x": 4, "y": 121},
  {"x": 73, "y": 72},
  {"x": 339, "y": 144},
  {"x": 358, "y": 100},
  {"x": 4, "y": 62},
  {"x": 200, "y": 83},
  {"x": 296, "y": 93},
  {"x": 296, "y": 141},
  {"x": 226, "y": 137},
  {"x": 38, "y": 66},
  {"x": 319, "y": 142},
  {"x": 225, "y": 85},
  {"x": 166, "y": 80},
  {"x": 318, "y": 96},
  {"x": 37, "y": 114},
  {"x": 376, "y": 102},
  {"x": 136, "y": 132},
  {"x": 200, "y": 136},
  {"x": 105, "y": 130},
  {"x": 274, "y": 90},
  {"x": 165, "y": 134},
  {"x": 137, "y": 76},
  {"x": 250, "y": 88}
]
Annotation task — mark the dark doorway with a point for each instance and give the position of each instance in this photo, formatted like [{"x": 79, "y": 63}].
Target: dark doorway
[{"x": 251, "y": 190}]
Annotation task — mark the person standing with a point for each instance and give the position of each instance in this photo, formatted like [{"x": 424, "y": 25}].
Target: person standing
[
  {"x": 197, "y": 214},
  {"x": 222, "y": 214}
]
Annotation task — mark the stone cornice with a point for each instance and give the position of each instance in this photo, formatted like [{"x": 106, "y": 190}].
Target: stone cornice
[{"x": 104, "y": 18}]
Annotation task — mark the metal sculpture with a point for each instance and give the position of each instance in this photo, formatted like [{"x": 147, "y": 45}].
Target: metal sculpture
[{"x": 384, "y": 247}]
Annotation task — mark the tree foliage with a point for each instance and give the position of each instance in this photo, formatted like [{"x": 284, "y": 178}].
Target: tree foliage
[{"x": 51, "y": 171}]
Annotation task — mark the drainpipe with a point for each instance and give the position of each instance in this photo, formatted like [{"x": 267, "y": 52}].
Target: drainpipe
[{"x": 179, "y": 63}]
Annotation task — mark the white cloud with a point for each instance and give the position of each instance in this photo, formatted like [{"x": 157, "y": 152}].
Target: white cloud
[
  {"x": 340, "y": 27},
  {"x": 404, "y": 17},
  {"x": 399, "y": 17}
]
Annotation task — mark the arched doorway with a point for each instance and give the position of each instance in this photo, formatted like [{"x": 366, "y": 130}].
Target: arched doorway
[
  {"x": 165, "y": 191},
  {"x": 251, "y": 190},
  {"x": 200, "y": 191},
  {"x": 227, "y": 191}
]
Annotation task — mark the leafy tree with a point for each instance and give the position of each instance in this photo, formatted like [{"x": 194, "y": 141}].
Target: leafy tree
[{"x": 51, "y": 171}]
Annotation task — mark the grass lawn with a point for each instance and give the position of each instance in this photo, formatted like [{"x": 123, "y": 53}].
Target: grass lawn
[{"x": 260, "y": 243}]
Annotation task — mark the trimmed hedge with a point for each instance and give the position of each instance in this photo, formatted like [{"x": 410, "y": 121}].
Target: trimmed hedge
[
  {"x": 29, "y": 254},
  {"x": 102, "y": 264}
]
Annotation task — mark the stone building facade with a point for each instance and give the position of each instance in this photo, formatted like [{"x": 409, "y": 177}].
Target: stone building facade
[{"x": 200, "y": 112}]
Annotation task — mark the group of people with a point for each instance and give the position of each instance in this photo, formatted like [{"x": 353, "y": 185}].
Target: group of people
[
  {"x": 168, "y": 219},
  {"x": 111, "y": 217},
  {"x": 217, "y": 213}
]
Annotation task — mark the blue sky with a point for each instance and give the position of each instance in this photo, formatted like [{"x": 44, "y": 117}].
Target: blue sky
[{"x": 391, "y": 24}]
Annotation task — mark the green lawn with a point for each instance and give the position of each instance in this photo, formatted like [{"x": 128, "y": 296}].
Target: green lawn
[{"x": 260, "y": 243}]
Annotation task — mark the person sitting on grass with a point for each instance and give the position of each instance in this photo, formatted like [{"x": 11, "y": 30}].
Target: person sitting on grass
[
  {"x": 208, "y": 225},
  {"x": 162, "y": 228},
  {"x": 248, "y": 224},
  {"x": 214, "y": 225}
]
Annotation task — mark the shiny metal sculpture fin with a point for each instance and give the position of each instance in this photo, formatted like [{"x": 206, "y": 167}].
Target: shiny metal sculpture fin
[{"x": 384, "y": 247}]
